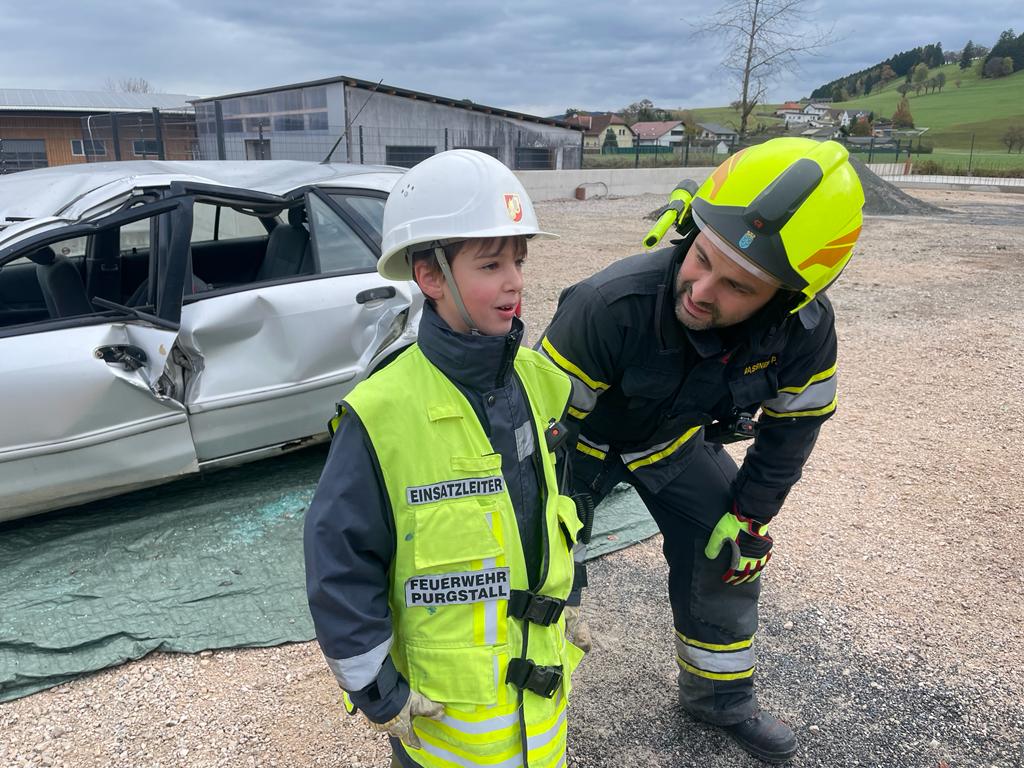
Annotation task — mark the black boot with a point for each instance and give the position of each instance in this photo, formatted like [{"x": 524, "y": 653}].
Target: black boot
[{"x": 764, "y": 736}]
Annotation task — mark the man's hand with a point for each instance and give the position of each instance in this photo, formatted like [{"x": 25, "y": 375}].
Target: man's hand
[
  {"x": 576, "y": 630},
  {"x": 400, "y": 726},
  {"x": 750, "y": 542}
]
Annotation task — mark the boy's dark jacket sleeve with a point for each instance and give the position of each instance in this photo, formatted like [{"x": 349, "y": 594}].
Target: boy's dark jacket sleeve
[{"x": 349, "y": 545}]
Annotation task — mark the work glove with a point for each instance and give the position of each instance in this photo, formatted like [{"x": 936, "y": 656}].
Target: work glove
[
  {"x": 400, "y": 726},
  {"x": 750, "y": 542},
  {"x": 576, "y": 630}
]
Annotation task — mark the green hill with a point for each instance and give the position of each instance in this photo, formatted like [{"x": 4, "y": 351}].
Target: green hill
[{"x": 979, "y": 107}]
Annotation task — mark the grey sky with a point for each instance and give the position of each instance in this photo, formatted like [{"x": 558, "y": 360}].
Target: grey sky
[{"x": 538, "y": 56}]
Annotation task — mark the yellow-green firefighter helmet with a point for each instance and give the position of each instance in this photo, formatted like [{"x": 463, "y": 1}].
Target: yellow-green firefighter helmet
[{"x": 790, "y": 208}]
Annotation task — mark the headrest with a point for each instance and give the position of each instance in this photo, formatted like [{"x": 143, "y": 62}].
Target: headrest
[
  {"x": 297, "y": 215},
  {"x": 44, "y": 256}
]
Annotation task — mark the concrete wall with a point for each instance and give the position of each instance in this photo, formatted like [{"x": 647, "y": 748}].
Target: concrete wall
[{"x": 600, "y": 182}]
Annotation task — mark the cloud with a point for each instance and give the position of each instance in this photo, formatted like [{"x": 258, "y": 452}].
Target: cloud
[{"x": 532, "y": 55}]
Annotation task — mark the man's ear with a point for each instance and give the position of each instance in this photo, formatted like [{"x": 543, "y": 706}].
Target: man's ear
[{"x": 429, "y": 278}]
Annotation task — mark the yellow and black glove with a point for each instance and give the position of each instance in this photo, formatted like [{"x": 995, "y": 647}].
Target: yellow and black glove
[{"x": 750, "y": 542}]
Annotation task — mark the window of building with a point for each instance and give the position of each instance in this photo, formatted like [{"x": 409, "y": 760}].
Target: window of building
[
  {"x": 232, "y": 126},
  {"x": 88, "y": 147},
  {"x": 254, "y": 124},
  {"x": 494, "y": 152},
  {"x": 22, "y": 154},
  {"x": 534, "y": 159},
  {"x": 407, "y": 156},
  {"x": 289, "y": 123},
  {"x": 255, "y": 105},
  {"x": 315, "y": 98},
  {"x": 317, "y": 121},
  {"x": 286, "y": 101},
  {"x": 145, "y": 147}
]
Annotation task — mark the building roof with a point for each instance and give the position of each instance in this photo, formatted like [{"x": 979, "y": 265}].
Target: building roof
[
  {"x": 654, "y": 129},
  {"x": 596, "y": 122},
  {"x": 392, "y": 90},
  {"x": 718, "y": 130},
  {"x": 40, "y": 100},
  {"x": 792, "y": 105}
]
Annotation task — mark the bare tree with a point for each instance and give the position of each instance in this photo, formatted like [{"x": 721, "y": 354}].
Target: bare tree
[
  {"x": 128, "y": 85},
  {"x": 763, "y": 39}
]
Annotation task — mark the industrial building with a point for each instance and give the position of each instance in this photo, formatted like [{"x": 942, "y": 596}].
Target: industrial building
[
  {"x": 372, "y": 123},
  {"x": 41, "y": 128}
]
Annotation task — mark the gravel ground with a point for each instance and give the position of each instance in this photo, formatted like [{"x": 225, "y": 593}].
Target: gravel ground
[{"x": 892, "y": 606}]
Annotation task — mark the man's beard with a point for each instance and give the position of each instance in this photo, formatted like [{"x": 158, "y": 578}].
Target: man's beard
[{"x": 691, "y": 322}]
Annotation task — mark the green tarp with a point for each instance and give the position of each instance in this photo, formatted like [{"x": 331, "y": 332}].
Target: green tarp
[{"x": 207, "y": 562}]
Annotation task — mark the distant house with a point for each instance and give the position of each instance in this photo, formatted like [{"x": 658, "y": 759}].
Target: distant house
[
  {"x": 600, "y": 128},
  {"x": 716, "y": 132},
  {"x": 40, "y": 128},
  {"x": 821, "y": 132},
  {"x": 662, "y": 133}
]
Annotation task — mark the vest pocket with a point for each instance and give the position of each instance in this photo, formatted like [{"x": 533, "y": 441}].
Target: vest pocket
[
  {"x": 455, "y": 532},
  {"x": 568, "y": 519},
  {"x": 456, "y": 676}
]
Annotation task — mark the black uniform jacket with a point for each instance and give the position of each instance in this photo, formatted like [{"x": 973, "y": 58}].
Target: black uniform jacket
[
  {"x": 642, "y": 381},
  {"x": 349, "y": 529}
]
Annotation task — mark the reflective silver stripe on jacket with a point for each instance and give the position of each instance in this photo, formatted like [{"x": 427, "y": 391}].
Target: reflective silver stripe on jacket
[
  {"x": 357, "y": 672},
  {"x": 803, "y": 400}
]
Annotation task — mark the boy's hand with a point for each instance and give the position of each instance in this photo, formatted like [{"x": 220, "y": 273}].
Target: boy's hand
[{"x": 400, "y": 726}]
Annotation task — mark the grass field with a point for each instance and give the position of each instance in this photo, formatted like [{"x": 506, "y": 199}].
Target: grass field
[{"x": 980, "y": 107}]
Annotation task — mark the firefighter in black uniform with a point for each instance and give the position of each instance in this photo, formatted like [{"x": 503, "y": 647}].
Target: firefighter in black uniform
[{"x": 672, "y": 353}]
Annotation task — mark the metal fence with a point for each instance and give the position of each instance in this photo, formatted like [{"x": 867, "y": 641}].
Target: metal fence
[
  {"x": 262, "y": 139},
  {"x": 690, "y": 153},
  {"x": 151, "y": 135}
]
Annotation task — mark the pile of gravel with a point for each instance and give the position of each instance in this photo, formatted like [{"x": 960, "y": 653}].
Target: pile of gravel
[{"x": 884, "y": 199}]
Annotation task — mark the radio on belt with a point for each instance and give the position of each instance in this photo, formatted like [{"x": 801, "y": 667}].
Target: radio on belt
[{"x": 555, "y": 434}]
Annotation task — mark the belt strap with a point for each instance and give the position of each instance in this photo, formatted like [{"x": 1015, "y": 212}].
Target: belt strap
[
  {"x": 538, "y": 609},
  {"x": 527, "y": 676}
]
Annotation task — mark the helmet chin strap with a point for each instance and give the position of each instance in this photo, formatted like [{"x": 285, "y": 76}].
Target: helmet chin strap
[{"x": 446, "y": 270}]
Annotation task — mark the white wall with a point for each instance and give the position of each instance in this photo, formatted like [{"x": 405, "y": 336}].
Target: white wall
[{"x": 600, "y": 182}]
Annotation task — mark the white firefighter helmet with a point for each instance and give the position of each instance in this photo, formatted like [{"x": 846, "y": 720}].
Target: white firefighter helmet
[{"x": 453, "y": 195}]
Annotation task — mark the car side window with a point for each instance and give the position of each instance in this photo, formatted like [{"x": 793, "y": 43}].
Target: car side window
[
  {"x": 338, "y": 247},
  {"x": 370, "y": 210},
  {"x": 217, "y": 222}
]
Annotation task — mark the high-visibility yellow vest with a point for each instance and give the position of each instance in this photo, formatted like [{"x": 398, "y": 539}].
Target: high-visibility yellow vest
[{"x": 458, "y": 558}]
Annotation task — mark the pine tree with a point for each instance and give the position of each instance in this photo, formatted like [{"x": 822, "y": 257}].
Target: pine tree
[
  {"x": 966, "y": 55},
  {"x": 901, "y": 117}
]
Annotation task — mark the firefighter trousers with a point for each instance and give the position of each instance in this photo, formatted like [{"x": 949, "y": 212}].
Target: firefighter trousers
[{"x": 715, "y": 622}]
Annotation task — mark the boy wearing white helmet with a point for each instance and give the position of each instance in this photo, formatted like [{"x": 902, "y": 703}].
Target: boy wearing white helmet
[{"x": 439, "y": 550}]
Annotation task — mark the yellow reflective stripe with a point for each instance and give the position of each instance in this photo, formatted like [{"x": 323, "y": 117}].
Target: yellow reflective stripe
[
  {"x": 578, "y": 413},
  {"x": 818, "y": 412},
  {"x": 572, "y": 368},
  {"x": 350, "y": 708},
  {"x": 826, "y": 374},
  {"x": 582, "y": 448},
  {"x": 715, "y": 646},
  {"x": 672, "y": 448},
  {"x": 714, "y": 675}
]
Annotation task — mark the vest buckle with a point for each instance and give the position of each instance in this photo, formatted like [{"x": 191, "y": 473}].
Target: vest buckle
[
  {"x": 527, "y": 676},
  {"x": 537, "y": 609}
]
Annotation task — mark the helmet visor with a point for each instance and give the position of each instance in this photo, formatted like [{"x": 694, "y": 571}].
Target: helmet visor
[{"x": 734, "y": 255}]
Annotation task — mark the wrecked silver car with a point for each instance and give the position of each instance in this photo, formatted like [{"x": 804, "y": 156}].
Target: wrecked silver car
[{"x": 161, "y": 318}]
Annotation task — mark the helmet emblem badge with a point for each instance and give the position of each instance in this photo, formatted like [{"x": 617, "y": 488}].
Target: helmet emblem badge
[
  {"x": 747, "y": 239},
  {"x": 514, "y": 207}
]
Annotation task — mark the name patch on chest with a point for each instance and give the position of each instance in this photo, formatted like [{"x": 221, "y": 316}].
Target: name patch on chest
[
  {"x": 454, "y": 489},
  {"x": 460, "y": 588}
]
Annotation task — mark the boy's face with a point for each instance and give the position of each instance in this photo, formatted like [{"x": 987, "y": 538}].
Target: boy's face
[{"x": 489, "y": 273}]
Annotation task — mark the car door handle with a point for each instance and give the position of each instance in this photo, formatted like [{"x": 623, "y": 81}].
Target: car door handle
[
  {"x": 131, "y": 357},
  {"x": 375, "y": 294}
]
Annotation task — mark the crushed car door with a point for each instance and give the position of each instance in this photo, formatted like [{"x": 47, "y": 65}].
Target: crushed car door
[
  {"x": 87, "y": 402},
  {"x": 276, "y": 351}
]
